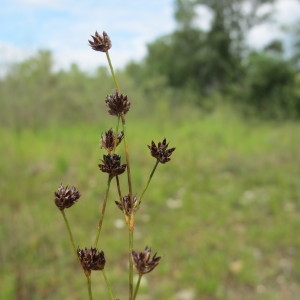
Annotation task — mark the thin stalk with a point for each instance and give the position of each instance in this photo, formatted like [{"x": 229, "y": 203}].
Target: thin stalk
[
  {"x": 130, "y": 261},
  {"x": 70, "y": 234},
  {"x": 131, "y": 217},
  {"x": 112, "y": 71},
  {"x": 108, "y": 285},
  {"x": 137, "y": 286},
  {"x": 117, "y": 130},
  {"x": 89, "y": 287},
  {"x": 75, "y": 252},
  {"x": 119, "y": 188},
  {"x": 148, "y": 182},
  {"x": 127, "y": 159},
  {"x": 102, "y": 212}
]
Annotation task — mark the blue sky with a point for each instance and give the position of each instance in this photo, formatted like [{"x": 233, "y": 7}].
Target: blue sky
[{"x": 64, "y": 26}]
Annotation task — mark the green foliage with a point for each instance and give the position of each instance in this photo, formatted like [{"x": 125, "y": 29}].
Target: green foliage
[
  {"x": 184, "y": 13},
  {"x": 177, "y": 55},
  {"x": 203, "y": 65},
  {"x": 271, "y": 88},
  {"x": 208, "y": 63},
  {"x": 231, "y": 215},
  {"x": 32, "y": 95}
]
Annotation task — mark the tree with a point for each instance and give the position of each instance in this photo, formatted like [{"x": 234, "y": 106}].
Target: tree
[
  {"x": 206, "y": 60},
  {"x": 237, "y": 17},
  {"x": 271, "y": 88}
]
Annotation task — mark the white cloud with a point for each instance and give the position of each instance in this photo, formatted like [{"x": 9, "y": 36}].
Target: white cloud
[
  {"x": 286, "y": 12},
  {"x": 204, "y": 17},
  {"x": 56, "y": 4},
  {"x": 130, "y": 29},
  {"x": 63, "y": 27}
]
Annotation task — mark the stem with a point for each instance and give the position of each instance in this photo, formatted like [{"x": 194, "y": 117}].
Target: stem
[
  {"x": 119, "y": 188},
  {"x": 131, "y": 217},
  {"x": 130, "y": 260},
  {"x": 75, "y": 251},
  {"x": 127, "y": 160},
  {"x": 137, "y": 286},
  {"x": 102, "y": 212},
  {"x": 117, "y": 130},
  {"x": 149, "y": 179},
  {"x": 70, "y": 234},
  {"x": 112, "y": 71},
  {"x": 89, "y": 287},
  {"x": 108, "y": 285}
]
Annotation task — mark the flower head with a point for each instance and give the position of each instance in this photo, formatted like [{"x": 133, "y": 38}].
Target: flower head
[
  {"x": 160, "y": 152},
  {"x": 126, "y": 205},
  {"x": 91, "y": 259},
  {"x": 117, "y": 103},
  {"x": 65, "y": 197},
  {"x": 143, "y": 262},
  {"x": 110, "y": 140},
  {"x": 100, "y": 43},
  {"x": 112, "y": 165}
]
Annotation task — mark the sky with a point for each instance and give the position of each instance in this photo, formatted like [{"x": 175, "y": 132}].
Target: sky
[{"x": 64, "y": 27}]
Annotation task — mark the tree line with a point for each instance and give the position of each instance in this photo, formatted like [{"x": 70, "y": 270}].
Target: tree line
[
  {"x": 190, "y": 66},
  {"x": 219, "y": 61}
]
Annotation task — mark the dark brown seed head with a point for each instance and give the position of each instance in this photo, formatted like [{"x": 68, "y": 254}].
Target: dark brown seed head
[
  {"x": 143, "y": 262},
  {"x": 117, "y": 103},
  {"x": 110, "y": 140},
  {"x": 100, "y": 42},
  {"x": 91, "y": 259},
  {"x": 112, "y": 165},
  {"x": 160, "y": 152},
  {"x": 65, "y": 197},
  {"x": 126, "y": 205}
]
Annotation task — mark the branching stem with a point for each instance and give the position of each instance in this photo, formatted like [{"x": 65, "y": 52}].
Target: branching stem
[
  {"x": 149, "y": 179},
  {"x": 102, "y": 212}
]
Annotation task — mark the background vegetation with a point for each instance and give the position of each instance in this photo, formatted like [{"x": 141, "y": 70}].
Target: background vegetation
[{"x": 224, "y": 214}]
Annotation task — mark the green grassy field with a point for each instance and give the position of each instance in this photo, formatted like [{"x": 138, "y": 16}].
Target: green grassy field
[{"x": 224, "y": 213}]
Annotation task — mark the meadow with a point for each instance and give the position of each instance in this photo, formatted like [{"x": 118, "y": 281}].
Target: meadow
[{"x": 224, "y": 213}]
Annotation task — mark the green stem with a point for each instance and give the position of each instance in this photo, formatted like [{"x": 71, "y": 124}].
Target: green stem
[
  {"x": 137, "y": 286},
  {"x": 102, "y": 212},
  {"x": 131, "y": 217},
  {"x": 70, "y": 234},
  {"x": 130, "y": 261},
  {"x": 108, "y": 285},
  {"x": 117, "y": 130},
  {"x": 148, "y": 182},
  {"x": 119, "y": 188},
  {"x": 89, "y": 287},
  {"x": 127, "y": 159},
  {"x": 112, "y": 71}
]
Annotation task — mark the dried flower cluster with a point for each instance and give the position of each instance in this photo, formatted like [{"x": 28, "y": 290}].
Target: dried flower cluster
[
  {"x": 143, "y": 261},
  {"x": 161, "y": 151},
  {"x": 126, "y": 205},
  {"x": 112, "y": 165},
  {"x": 100, "y": 43},
  {"x": 65, "y": 197},
  {"x": 91, "y": 260},
  {"x": 110, "y": 140},
  {"x": 117, "y": 103}
]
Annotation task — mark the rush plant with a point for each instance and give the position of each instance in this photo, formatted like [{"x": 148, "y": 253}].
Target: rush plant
[{"x": 91, "y": 258}]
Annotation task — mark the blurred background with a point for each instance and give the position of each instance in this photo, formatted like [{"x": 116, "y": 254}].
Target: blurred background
[{"x": 219, "y": 79}]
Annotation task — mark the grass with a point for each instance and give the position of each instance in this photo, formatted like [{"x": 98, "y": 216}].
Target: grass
[{"x": 224, "y": 213}]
